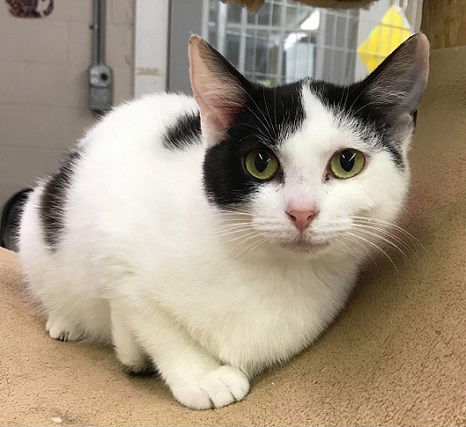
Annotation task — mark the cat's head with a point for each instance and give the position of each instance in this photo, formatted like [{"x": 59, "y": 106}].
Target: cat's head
[{"x": 308, "y": 165}]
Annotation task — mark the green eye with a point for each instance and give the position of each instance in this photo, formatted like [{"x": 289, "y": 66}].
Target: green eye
[
  {"x": 347, "y": 163},
  {"x": 261, "y": 164}
]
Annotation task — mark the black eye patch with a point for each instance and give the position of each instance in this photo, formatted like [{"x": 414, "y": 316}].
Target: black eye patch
[{"x": 268, "y": 117}]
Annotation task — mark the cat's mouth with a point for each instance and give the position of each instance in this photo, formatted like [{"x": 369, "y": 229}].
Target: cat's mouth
[{"x": 302, "y": 244}]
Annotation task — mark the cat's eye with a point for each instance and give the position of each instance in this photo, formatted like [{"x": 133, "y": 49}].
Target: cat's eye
[
  {"x": 261, "y": 164},
  {"x": 347, "y": 163}
]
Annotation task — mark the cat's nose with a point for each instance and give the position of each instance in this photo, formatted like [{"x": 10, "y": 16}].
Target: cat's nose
[{"x": 301, "y": 218}]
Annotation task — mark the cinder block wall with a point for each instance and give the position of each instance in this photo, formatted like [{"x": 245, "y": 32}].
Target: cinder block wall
[{"x": 43, "y": 84}]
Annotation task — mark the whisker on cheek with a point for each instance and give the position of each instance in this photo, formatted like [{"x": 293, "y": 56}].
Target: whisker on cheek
[
  {"x": 243, "y": 236},
  {"x": 232, "y": 226},
  {"x": 232, "y": 232},
  {"x": 251, "y": 247},
  {"x": 379, "y": 221},
  {"x": 378, "y": 248},
  {"x": 378, "y": 236},
  {"x": 384, "y": 231},
  {"x": 244, "y": 244}
]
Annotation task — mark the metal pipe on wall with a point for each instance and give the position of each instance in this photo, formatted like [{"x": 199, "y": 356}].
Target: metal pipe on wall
[{"x": 100, "y": 74}]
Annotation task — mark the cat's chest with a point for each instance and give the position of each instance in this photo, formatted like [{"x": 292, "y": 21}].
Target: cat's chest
[{"x": 254, "y": 320}]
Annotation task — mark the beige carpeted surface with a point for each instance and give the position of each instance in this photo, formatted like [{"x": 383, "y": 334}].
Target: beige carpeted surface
[{"x": 396, "y": 355}]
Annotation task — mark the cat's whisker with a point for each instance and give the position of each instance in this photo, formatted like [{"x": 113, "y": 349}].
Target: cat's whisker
[
  {"x": 251, "y": 246},
  {"x": 357, "y": 98},
  {"x": 379, "y": 231},
  {"x": 384, "y": 239},
  {"x": 386, "y": 232},
  {"x": 375, "y": 246},
  {"x": 268, "y": 113},
  {"x": 232, "y": 218},
  {"x": 258, "y": 129},
  {"x": 221, "y": 220},
  {"x": 260, "y": 120},
  {"x": 232, "y": 212},
  {"x": 260, "y": 110},
  {"x": 251, "y": 233},
  {"x": 344, "y": 94},
  {"x": 384, "y": 227},
  {"x": 275, "y": 111},
  {"x": 356, "y": 245},
  {"x": 232, "y": 232},
  {"x": 381, "y": 222},
  {"x": 221, "y": 232},
  {"x": 230, "y": 222},
  {"x": 392, "y": 225},
  {"x": 227, "y": 224},
  {"x": 246, "y": 241},
  {"x": 365, "y": 105},
  {"x": 360, "y": 247}
]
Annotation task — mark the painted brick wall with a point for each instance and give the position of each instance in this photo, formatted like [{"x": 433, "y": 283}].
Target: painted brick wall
[{"x": 43, "y": 84}]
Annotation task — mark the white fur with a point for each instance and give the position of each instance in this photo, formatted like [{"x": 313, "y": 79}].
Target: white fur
[{"x": 147, "y": 263}]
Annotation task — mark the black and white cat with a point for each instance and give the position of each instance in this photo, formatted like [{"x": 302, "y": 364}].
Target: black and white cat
[{"x": 220, "y": 235}]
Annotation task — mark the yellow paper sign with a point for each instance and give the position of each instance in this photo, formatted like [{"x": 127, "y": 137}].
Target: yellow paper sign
[{"x": 393, "y": 30}]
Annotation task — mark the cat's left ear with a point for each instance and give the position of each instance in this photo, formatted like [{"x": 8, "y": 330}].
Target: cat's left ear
[
  {"x": 219, "y": 89},
  {"x": 397, "y": 85}
]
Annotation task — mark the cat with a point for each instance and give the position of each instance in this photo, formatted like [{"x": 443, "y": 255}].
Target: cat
[{"x": 215, "y": 236}]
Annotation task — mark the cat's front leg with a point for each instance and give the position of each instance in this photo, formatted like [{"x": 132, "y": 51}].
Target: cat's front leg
[
  {"x": 195, "y": 378},
  {"x": 128, "y": 351}
]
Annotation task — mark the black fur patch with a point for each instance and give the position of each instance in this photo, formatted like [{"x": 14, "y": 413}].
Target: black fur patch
[
  {"x": 53, "y": 200},
  {"x": 353, "y": 101},
  {"x": 185, "y": 132},
  {"x": 269, "y": 115}
]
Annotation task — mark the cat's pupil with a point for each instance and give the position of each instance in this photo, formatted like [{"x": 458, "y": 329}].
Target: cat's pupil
[
  {"x": 347, "y": 160},
  {"x": 261, "y": 161}
]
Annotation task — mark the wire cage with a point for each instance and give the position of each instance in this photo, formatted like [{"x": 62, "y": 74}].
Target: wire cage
[{"x": 285, "y": 40}]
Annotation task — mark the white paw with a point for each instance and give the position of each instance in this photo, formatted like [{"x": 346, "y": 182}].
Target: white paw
[
  {"x": 61, "y": 330},
  {"x": 217, "y": 388}
]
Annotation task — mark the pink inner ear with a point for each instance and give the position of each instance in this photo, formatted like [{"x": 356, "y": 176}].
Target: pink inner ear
[
  {"x": 213, "y": 126},
  {"x": 215, "y": 90},
  {"x": 218, "y": 99}
]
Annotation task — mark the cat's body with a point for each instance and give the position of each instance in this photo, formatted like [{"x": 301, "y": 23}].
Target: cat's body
[
  {"x": 205, "y": 284},
  {"x": 140, "y": 241}
]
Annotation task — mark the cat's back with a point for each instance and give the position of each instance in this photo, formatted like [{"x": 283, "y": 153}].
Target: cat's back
[
  {"x": 147, "y": 123},
  {"x": 121, "y": 172},
  {"x": 136, "y": 154}
]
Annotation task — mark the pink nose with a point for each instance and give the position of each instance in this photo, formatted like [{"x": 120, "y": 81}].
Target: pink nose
[{"x": 301, "y": 219}]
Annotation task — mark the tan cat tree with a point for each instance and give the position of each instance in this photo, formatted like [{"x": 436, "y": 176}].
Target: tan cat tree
[{"x": 395, "y": 356}]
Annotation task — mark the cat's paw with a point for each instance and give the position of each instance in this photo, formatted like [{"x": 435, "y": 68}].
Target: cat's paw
[
  {"x": 61, "y": 330},
  {"x": 217, "y": 388}
]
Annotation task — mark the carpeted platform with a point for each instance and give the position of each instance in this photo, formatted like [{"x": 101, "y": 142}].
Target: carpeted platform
[{"x": 395, "y": 356}]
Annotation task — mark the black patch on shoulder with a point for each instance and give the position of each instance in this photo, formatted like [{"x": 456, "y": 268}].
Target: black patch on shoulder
[
  {"x": 53, "y": 199},
  {"x": 267, "y": 118},
  {"x": 185, "y": 132},
  {"x": 352, "y": 100}
]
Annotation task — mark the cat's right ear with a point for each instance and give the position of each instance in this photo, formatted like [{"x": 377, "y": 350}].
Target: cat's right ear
[{"x": 219, "y": 89}]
